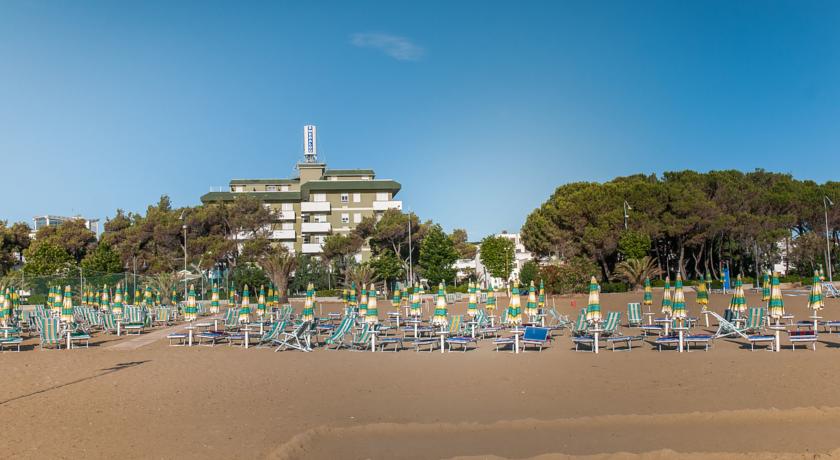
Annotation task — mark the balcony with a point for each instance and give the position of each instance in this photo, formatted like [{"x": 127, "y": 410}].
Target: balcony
[
  {"x": 385, "y": 205},
  {"x": 315, "y": 206},
  {"x": 311, "y": 248},
  {"x": 315, "y": 227},
  {"x": 285, "y": 215},
  {"x": 282, "y": 235}
]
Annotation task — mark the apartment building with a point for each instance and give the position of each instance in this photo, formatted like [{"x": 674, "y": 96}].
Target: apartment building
[
  {"x": 54, "y": 221},
  {"x": 317, "y": 203}
]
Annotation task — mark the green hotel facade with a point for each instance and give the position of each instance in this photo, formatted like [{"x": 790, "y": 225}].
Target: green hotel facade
[{"x": 317, "y": 203}]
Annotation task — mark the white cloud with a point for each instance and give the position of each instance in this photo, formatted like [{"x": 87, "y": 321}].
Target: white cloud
[{"x": 399, "y": 48}]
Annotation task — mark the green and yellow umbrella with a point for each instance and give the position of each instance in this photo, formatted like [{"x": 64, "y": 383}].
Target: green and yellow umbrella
[
  {"x": 822, "y": 275},
  {"x": 148, "y": 300},
  {"x": 702, "y": 295},
  {"x": 105, "y": 299},
  {"x": 415, "y": 302},
  {"x": 345, "y": 297},
  {"x": 309, "y": 304},
  {"x": 231, "y": 296},
  {"x": 396, "y": 299},
  {"x": 50, "y": 297},
  {"x": 84, "y": 297},
  {"x": 490, "y": 305},
  {"x": 593, "y": 307},
  {"x": 191, "y": 307},
  {"x": 531, "y": 306},
  {"x": 514, "y": 310},
  {"x": 765, "y": 287},
  {"x": 269, "y": 300},
  {"x": 363, "y": 300},
  {"x": 648, "y": 296},
  {"x": 815, "y": 300},
  {"x": 6, "y": 307},
  {"x": 472, "y": 301},
  {"x": 118, "y": 301},
  {"x": 776, "y": 306},
  {"x": 440, "y": 318},
  {"x": 372, "y": 316},
  {"x": 708, "y": 282},
  {"x": 261, "y": 307},
  {"x": 214, "y": 299},
  {"x": 678, "y": 308},
  {"x": 245, "y": 306},
  {"x": 174, "y": 296},
  {"x": 666, "y": 298},
  {"x": 158, "y": 301},
  {"x": 137, "y": 295},
  {"x": 67, "y": 306},
  {"x": 352, "y": 301},
  {"x": 541, "y": 297},
  {"x": 738, "y": 302}
]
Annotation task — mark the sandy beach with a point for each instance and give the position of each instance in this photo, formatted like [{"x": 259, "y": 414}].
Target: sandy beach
[{"x": 133, "y": 397}]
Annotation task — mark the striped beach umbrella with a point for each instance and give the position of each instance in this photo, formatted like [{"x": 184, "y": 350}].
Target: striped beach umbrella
[
  {"x": 50, "y": 297},
  {"x": 593, "y": 307},
  {"x": 490, "y": 305},
  {"x": 353, "y": 302},
  {"x": 118, "y": 301},
  {"x": 269, "y": 299},
  {"x": 174, "y": 297},
  {"x": 345, "y": 297},
  {"x": 821, "y": 274},
  {"x": 666, "y": 298},
  {"x": 648, "y": 296},
  {"x": 815, "y": 300},
  {"x": 372, "y": 316},
  {"x": 531, "y": 306},
  {"x": 105, "y": 299},
  {"x": 363, "y": 300},
  {"x": 397, "y": 297},
  {"x": 231, "y": 296},
  {"x": 67, "y": 306},
  {"x": 191, "y": 307},
  {"x": 472, "y": 301},
  {"x": 6, "y": 307},
  {"x": 702, "y": 295},
  {"x": 415, "y": 302},
  {"x": 261, "y": 306},
  {"x": 514, "y": 310},
  {"x": 158, "y": 301},
  {"x": 214, "y": 299},
  {"x": 708, "y": 282},
  {"x": 245, "y": 306},
  {"x": 137, "y": 295},
  {"x": 84, "y": 297},
  {"x": 148, "y": 299},
  {"x": 309, "y": 304},
  {"x": 440, "y": 318},
  {"x": 776, "y": 306},
  {"x": 541, "y": 297},
  {"x": 738, "y": 302},
  {"x": 678, "y": 307},
  {"x": 765, "y": 287}
]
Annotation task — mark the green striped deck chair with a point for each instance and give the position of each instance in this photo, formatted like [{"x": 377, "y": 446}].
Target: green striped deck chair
[
  {"x": 272, "y": 333},
  {"x": 163, "y": 316},
  {"x": 231, "y": 319},
  {"x": 40, "y": 311},
  {"x": 580, "y": 326},
  {"x": 135, "y": 320},
  {"x": 634, "y": 314},
  {"x": 756, "y": 320},
  {"x": 340, "y": 332},
  {"x": 109, "y": 323},
  {"x": 361, "y": 339},
  {"x": 50, "y": 333},
  {"x": 611, "y": 323},
  {"x": 455, "y": 324}
]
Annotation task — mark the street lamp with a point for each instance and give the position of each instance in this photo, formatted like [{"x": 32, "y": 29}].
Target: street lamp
[
  {"x": 184, "y": 228},
  {"x": 826, "y": 202},
  {"x": 626, "y": 216},
  {"x": 410, "y": 274}
]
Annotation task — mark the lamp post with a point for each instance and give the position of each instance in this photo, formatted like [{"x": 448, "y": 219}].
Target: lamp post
[
  {"x": 410, "y": 272},
  {"x": 826, "y": 202},
  {"x": 626, "y": 216},
  {"x": 184, "y": 228}
]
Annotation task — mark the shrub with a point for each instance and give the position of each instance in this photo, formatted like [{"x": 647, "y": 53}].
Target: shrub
[
  {"x": 614, "y": 287},
  {"x": 570, "y": 277}
]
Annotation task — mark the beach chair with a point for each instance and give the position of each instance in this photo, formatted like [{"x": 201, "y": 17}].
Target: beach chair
[
  {"x": 450, "y": 298},
  {"x": 272, "y": 333},
  {"x": 297, "y": 339},
  {"x": 727, "y": 328},
  {"x": 231, "y": 320},
  {"x": 580, "y": 327},
  {"x": 135, "y": 320},
  {"x": 634, "y": 314},
  {"x": 756, "y": 320},
  {"x": 50, "y": 333},
  {"x": 830, "y": 290},
  {"x": 456, "y": 335},
  {"x": 611, "y": 324},
  {"x": 804, "y": 337},
  {"x": 163, "y": 316},
  {"x": 536, "y": 336},
  {"x": 484, "y": 326},
  {"x": 109, "y": 323},
  {"x": 769, "y": 340},
  {"x": 558, "y": 322}
]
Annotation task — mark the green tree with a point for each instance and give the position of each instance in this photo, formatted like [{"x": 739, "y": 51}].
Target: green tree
[
  {"x": 278, "y": 263},
  {"x": 387, "y": 267},
  {"x": 72, "y": 236},
  {"x": 340, "y": 250},
  {"x": 530, "y": 272},
  {"x": 465, "y": 249},
  {"x": 635, "y": 271},
  {"x": 634, "y": 244},
  {"x": 437, "y": 256},
  {"x": 251, "y": 275},
  {"x": 497, "y": 255},
  {"x": 102, "y": 259},
  {"x": 46, "y": 258}
]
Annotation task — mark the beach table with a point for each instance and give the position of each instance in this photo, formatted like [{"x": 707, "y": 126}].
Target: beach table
[
  {"x": 119, "y": 325},
  {"x": 472, "y": 324},
  {"x": 681, "y": 331},
  {"x": 443, "y": 335},
  {"x": 596, "y": 333},
  {"x": 6, "y": 330},
  {"x": 247, "y": 330},
  {"x": 778, "y": 328},
  {"x": 706, "y": 316},
  {"x": 664, "y": 322},
  {"x": 650, "y": 316},
  {"x": 416, "y": 322},
  {"x": 190, "y": 330}
]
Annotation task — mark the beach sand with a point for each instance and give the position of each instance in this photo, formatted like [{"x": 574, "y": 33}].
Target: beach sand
[{"x": 155, "y": 401}]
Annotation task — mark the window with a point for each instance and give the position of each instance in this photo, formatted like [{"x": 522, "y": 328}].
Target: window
[
  {"x": 270, "y": 188},
  {"x": 319, "y": 197},
  {"x": 284, "y": 188},
  {"x": 357, "y": 217},
  {"x": 357, "y": 198},
  {"x": 239, "y": 188},
  {"x": 345, "y": 197},
  {"x": 382, "y": 196},
  {"x": 345, "y": 218},
  {"x": 365, "y": 177},
  {"x": 319, "y": 218}
]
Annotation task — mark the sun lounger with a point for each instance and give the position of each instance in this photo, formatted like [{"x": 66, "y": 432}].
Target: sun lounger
[
  {"x": 536, "y": 336},
  {"x": 769, "y": 340},
  {"x": 10, "y": 342},
  {"x": 634, "y": 314},
  {"x": 296, "y": 339},
  {"x": 272, "y": 333},
  {"x": 503, "y": 342},
  {"x": 361, "y": 340},
  {"x": 703, "y": 339},
  {"x": 210, "y": 338},
  {"x": 727, "y": 328},
  {"x": 177, "y": 339},
  {"x": 806, "y": 337},
  {"x": 456, "y": 335},
  {"x": 339, "y": 333},
  {"x": 671, "y": 341},
  {"x": 627, "y": 340},
  {"x": 385, "y": 342}
]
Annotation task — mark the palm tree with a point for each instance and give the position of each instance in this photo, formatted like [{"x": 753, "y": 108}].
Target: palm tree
[
  {"x": 635, "y": 271},
  {"x": 164, "y": 283},
  {"x": 361, "y": 274},
  {"x": 278, "y": 263}
]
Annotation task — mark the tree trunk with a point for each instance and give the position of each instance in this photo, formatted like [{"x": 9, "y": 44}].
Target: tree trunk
[
  {"x": 281, "y": 283},
  {"x": 680, "y": 268}
]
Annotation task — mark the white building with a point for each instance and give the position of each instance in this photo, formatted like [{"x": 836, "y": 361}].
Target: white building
[
  {"x": 55, "y": 221},
  {"x": 520, "y": 256}
]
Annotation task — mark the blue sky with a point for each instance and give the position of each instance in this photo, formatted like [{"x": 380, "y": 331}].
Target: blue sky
[{"x": 480, "y": 109}]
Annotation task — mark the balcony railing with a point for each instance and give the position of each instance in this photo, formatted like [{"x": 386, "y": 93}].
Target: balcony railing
[
  {"x": 282, "y": 235},
  {"x": 385, "y": 205},
  {"x": 315, "y": 227},
  {"x": 285, "y": 215},
  {"x": 315, "y": 206},
  {"x": 311, "y": 248}
]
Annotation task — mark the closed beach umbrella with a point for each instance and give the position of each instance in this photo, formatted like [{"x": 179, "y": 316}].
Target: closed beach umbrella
[
  {"x": 309, "y": 304},
  {"x": 440, "y": 318},
  {"x": 50, "y": 297},
  {"x": 708, "y": 282},
  {"x": 593, "y": 307},
  {"x": 214, "y": 299},
  {"x": 345, "y": 297},
  {"x": 191, "y": 307},
  {"x": 491, "y": 299},
  {"x": 765, "y": 287},
  {"x": 174, "y": 296},
  {"x": 353, "y": 299},
  {"x": 67, "y": 307},
  {"x": 231, "y": 296},
  {"x": 363, "y": 300},
  {"x": 269, "y": 300},
  {"x": 372, "y": 316},
  {"x": 118, "y": 301},
  {"x": 84, "y": 298},
  {"x": 105, "y": 299},
  {"x": 415, "y": 302},
  {"x": 541, "y": 297},
  {"x": 738, "y": 303},
  {"x": 666, "y": 298},
  {"x": 531, "y": 306},
  {"x": 261, "y": 308},
  {"x": 137, "y": 295},
  {"x": 514, "y": 310},
  {"x": 702, "y": 295},
  {"x": 815, "y": 300},
  {"x": 245, "y": 306},
  {"x": 148, "y": 300},
  {"x": 776, "y": 306},
  {"x": 397, "y": 297},
  {"x": 678, "y": 308},
  {"x": 472, "y": 301},
  {"x": 6, "y": 307}
]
